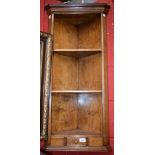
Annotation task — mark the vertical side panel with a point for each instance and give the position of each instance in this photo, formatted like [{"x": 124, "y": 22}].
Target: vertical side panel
[{"x": 105, "y": 79}]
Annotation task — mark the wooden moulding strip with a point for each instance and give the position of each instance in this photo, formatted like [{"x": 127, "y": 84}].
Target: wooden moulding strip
[
  {"x": 77, "y": 91},
  {"x": 105, "y": 79},
  {"x": 81, "y": 149},
  {"x": 83, "y": 50}
]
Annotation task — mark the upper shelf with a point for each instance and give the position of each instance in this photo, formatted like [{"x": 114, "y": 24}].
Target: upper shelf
[
  {"x": 78, "y": 5},
  {"x": 77, "y": 52}
]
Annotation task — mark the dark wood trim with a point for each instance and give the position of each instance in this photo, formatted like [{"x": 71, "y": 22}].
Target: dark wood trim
[
  {"x": 78, "y": 5},
  {"x": 81, "y": 149},
  {"x": 78, "y": 8}
]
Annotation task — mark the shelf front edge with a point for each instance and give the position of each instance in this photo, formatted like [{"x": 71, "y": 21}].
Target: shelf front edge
[{"x": 81, "y": 149}]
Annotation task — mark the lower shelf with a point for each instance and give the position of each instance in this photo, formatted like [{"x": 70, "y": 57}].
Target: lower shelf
[
  {"x": 77, "y": 143},
  {"x": 91, "y": 149}
]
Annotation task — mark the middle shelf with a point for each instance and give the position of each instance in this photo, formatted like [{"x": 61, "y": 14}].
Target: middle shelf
[
  {"x": 76, "y": 91},
  {"x": 77, "y": 52}
]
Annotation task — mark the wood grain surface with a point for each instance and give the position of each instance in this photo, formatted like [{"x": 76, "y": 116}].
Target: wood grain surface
[
  {"x": 71, "y": 73},
  {"x": 64, "y": 112}
]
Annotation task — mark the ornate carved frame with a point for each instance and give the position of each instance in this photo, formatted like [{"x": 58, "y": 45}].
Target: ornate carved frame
[{"x": 45, "y": 81}]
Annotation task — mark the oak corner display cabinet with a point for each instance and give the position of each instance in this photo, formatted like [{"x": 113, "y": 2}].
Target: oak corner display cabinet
[{"x": 75, "y": 118}]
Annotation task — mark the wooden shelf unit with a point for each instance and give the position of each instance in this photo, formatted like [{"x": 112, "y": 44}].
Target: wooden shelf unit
[{"x": 78, "y": 105}]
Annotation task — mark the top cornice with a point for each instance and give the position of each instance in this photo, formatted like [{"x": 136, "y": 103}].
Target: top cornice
[{"x": 71, "y": 8}]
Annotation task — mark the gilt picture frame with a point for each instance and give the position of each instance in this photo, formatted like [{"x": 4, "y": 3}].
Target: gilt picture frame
[{"x": 45, "y": 81}]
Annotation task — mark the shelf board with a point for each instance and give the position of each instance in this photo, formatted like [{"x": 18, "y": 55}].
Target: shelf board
[
  {"x": 77, "y": 91},
  {"x": 87, "y": 148},
  {"x": 76, "y": 132},
  {"x": 77, "y": 52}
]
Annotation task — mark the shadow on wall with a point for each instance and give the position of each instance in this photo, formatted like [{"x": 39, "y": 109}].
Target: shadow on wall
[{"x": 42, "y": 153}]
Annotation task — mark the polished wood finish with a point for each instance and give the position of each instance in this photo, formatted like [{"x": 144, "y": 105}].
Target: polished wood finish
[
  {"x": 90, "y": 112},
  {"x": 77, "y": 91},
  {"x": 74, "y": 141},
  {"x": 71, "y": 143},
  {"x": 85, "y": 8},
  {"x": 77, "y": 19},
  {"x": 76, "y": 132},
  {"x": 105, "y": 81},
  {"x": 57, "y": 141},
  {"x": 71, "y": 36},
  {"x": 76, "y": 73},
  {"x": 67, "y": 68},
  {"x": 96, "y": 141},
  {"x": 66, "y": 35},
  {"x": 90, "y": 69},
  {"x": 64, "y": 112},
  {"x": 90, "y": 34},
  {"x": 78, "y": 109},
  {"x": 77, "y": 52},
  {"x": 84, "y": 149}
]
